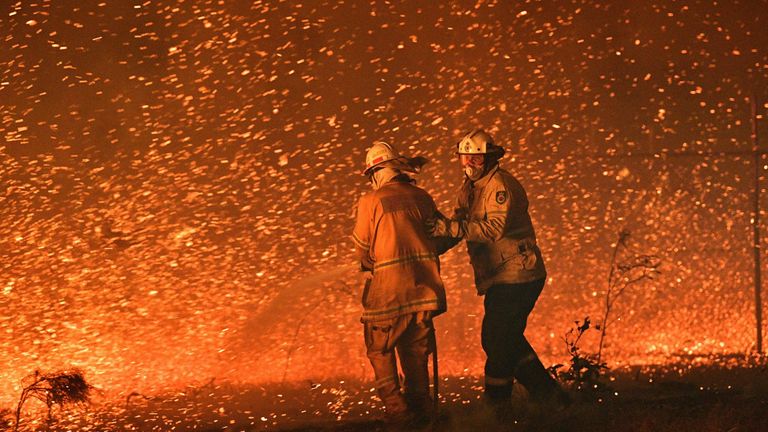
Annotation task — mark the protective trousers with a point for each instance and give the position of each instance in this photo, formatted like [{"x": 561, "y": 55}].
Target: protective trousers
[
  {"x": 509, "y": 355},
  {"x": 409, "y": 335}
]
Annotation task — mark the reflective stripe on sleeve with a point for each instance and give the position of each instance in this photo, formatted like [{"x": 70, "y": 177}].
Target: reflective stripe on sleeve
[{"x": 359, "y": 242}]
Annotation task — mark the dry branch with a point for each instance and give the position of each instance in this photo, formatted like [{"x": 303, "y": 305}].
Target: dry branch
[
  {"x": 634, "y": 269},
  {"x": 57, "y": 388}
]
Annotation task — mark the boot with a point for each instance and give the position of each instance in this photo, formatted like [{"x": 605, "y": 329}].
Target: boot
[
  {"x": 396, "y": 408},
  {"x": 497, "y": 394},
  {"x": 542, "y": 388},
  {"x": 419, "y": 403},
  {"x": 499, "y": 398}
]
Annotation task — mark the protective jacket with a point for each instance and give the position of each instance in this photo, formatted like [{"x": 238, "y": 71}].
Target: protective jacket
[
  {"x": 494, "y": 219},
  {"x": 392, "y": 242}
]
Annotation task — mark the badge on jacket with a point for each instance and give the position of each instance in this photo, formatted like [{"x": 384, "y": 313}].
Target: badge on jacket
[{"x": 501, "y": 197}]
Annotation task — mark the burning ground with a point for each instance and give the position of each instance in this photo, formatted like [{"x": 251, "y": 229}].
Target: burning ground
[{"x": 718, "y": 394}]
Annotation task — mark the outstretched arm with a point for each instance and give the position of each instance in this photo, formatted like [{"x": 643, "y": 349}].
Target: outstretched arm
[
  {"x": 485, "y": 230},
  {"x": 441, "y": 238}
]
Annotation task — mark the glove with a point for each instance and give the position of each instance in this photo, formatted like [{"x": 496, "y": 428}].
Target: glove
[
  {"x": 460, "y": 213},
  {"x": 440, "y": 226},
  {"x": 436, "y": 225}
]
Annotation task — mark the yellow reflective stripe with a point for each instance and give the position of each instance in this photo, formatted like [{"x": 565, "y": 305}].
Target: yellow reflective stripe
[
  {"x": 384, "y": 381},
  {"x": 493, "y": 381},
  {"x": 406, "y": 259},
  {"x": 398, "y": 310},
  {"x": 359, "y": 242}
]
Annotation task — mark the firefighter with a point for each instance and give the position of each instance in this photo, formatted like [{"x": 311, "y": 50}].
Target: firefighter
[
  {"x": 405, "y": 291},
  {"x": 492, "y": 216}
]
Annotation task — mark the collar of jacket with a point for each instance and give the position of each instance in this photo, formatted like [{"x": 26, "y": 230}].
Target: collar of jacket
[
  {"x": 482, "y": 181},
  {"x": 400, "y": 178}
]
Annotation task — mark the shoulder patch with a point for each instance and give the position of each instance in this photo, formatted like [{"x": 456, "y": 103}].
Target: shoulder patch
[{"x": 501, "y": 197}]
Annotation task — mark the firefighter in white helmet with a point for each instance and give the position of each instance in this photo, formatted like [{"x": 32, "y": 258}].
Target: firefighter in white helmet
[
  {"x": 405, "y": 291},
  {"x": 492, "y": 216}
]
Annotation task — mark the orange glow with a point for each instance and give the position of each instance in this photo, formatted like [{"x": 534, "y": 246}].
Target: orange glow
[{"x": 177, "y": 182}]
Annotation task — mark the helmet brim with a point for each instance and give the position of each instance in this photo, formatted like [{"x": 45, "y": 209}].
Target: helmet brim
[{"x": 401, "y": 163}]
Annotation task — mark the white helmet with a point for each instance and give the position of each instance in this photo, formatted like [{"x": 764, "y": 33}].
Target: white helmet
[
  {"x": 379, "y": 153},
  {"x": 477, "y": 142}
]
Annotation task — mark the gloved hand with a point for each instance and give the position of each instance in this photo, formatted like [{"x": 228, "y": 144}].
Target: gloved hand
[
  {"x": 440, "y": 226},
  {"x": 435, "y": 225},
  {"x": 460, "y": 213}
]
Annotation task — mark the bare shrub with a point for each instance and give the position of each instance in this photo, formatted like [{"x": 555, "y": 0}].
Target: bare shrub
[
  {"x": 628, "y": 268},
  {"x": 64, "y": 388},
  {"x": 584, "y": 370}
]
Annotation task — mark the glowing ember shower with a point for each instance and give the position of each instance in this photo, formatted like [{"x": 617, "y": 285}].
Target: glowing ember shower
[{"x": 178, "y": 178}]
